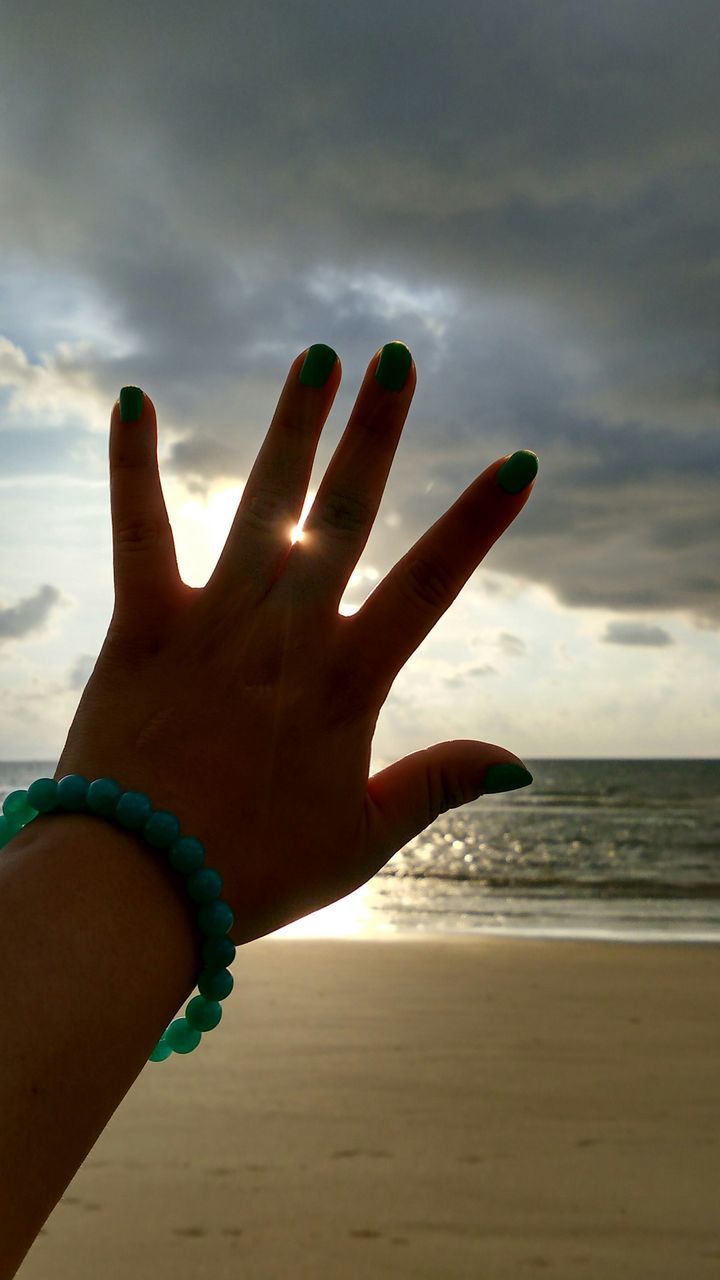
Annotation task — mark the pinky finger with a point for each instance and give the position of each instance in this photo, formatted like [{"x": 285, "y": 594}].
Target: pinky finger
[{"x": 146, "y": 575}]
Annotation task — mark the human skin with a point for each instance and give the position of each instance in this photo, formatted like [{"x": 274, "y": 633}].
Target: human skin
[{"x": 247, "y": 707}]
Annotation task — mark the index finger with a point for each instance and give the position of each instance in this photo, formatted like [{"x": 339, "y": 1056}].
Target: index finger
[{"x": 413, "y": 596}]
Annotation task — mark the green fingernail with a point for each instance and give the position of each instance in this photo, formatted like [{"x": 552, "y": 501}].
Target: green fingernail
[
  {"x": 131, "y": 404},
  {"x": 506, "y": 777},
  {"x": 518, "y": 471},
  {"x": 393, "y": 366},
  {"x": 318, "y": 365}
]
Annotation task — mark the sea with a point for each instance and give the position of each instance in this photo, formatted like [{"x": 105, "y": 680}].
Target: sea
[{"x": 615, "y": 850}]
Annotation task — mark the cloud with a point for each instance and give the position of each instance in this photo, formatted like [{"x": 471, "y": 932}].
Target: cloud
[
  {"x": 526, "y": 195},
  {"x": 642, "y": 633},
  {"x": 512, "y": 646},
  {"x": 467, "y": 678},
  {"x": 28, "y": 617}
]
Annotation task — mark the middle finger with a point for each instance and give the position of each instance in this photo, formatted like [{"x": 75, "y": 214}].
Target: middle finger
[{"x": 340, "y": 520}]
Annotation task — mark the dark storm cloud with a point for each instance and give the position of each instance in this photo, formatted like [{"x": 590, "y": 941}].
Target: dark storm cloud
[{"x": 538, "y": 183}]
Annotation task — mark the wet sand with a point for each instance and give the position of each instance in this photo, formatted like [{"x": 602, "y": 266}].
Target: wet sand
[{"x": 449, "y": 1109}]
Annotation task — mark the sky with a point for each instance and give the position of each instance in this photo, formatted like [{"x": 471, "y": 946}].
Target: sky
[{"x": 526, "y": 194}]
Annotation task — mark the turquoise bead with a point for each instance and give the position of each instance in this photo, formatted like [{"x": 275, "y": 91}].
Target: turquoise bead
[
  {"x": 161, "y": 829},
  {"x": 186, "y": 855},
  {"x": 17, "y": 808},
  {"x": 203, "y": 1014},
  {"x": 215, "y": 918},
  {"x": 181, "y": 1037},
  {"x": 204, "y": 885},
  {"x": 42, "y": 794},
  {"x": 103, "y": 795},
  {"x": 215, "y": 984},
  {"x": 72, "y": 792},
  {"x": 160, "y": 1052},
  {"x": 218, "y": 953},
  {"x": 133, "y": 810}
]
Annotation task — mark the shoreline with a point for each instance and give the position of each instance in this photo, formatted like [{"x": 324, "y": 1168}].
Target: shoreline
[{"x": 505, "y": 936}]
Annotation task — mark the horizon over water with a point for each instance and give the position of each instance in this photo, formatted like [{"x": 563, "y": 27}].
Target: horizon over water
[{"x": 623, "y": 849}]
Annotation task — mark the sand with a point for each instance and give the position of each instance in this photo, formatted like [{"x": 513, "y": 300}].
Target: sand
[{"x": 477, "y": 1108}]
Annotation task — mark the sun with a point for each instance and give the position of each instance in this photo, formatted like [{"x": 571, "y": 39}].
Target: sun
[{"x": 201, "y": 526}]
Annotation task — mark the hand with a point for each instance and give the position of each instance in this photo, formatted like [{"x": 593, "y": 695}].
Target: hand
[{"x": 247, "y": 707}]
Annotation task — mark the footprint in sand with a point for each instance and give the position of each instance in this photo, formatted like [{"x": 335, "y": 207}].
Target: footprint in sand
[
  {"x": 368, "y": 1233},
  {"x": 358, "y": 1151},
  {"x": 199, "y": 1232}
]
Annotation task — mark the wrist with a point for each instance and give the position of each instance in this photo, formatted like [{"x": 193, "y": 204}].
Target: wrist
[{"x": 145, "y": 894}]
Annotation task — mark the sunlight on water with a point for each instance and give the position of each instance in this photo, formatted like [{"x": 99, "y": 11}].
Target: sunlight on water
[
  {"x": 348, "y": 918},
  {"x": 597, "y": 848}
]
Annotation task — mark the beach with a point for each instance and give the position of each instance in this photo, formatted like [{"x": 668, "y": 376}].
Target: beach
[{"x": 460, "y": 1107}]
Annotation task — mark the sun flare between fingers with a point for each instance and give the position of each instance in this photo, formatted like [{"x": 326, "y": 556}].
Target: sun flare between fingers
[{"x": 201, "y": 527}]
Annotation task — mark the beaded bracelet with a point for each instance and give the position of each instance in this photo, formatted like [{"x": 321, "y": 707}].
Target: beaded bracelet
[{"x": 160, "y": 829}]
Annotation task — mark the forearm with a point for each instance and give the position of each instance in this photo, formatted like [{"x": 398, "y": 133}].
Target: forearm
[{"x": 99, "y": 950}]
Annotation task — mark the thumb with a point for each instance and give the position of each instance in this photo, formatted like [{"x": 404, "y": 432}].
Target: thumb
[{"x": 403, "y": 800}]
